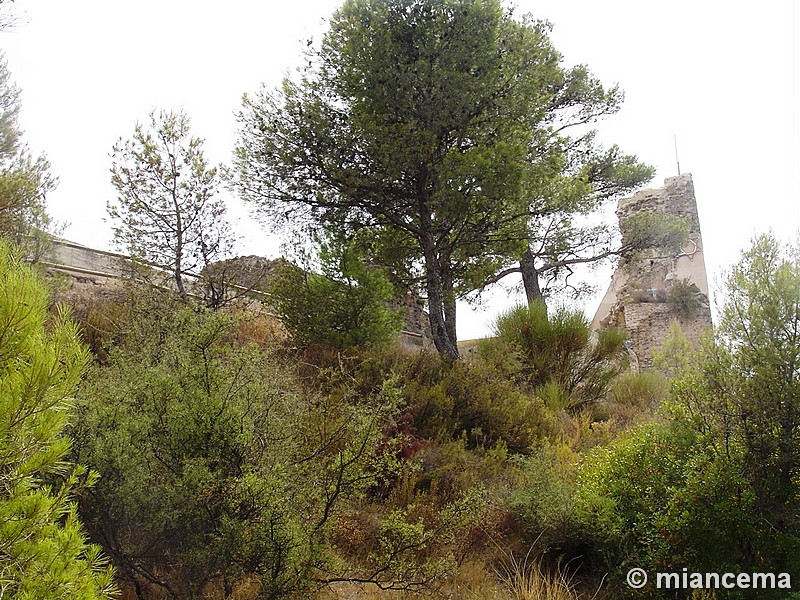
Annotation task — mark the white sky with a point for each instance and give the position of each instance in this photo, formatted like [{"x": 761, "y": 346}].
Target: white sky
[{"x": 722, "y": 76}]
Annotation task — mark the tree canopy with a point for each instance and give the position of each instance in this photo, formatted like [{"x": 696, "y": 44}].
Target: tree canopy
[
  {"x": 418, "y": 120},
  {"x": 24, "y": 179},
  {"x": 347, "y": 305},
  {"x": 433, "y": 128}
]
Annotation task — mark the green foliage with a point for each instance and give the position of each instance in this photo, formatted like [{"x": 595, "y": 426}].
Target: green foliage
[
  {"x": 663, "y": 232},
  {"x": 470, "y": 400},
  {"x": 581, "y": 183},
  {"x": 642, "y": 389},
  {"x": 676, "y": 353},
  {"x": 24, "y": 180},
  {"x": 422, "y": 118},
  {"x": 659, "y": 501},
  {"x": 418, "y": 540},
  {"x": 450, "y": 469},
  {"x": 215, "y": 464},
  {"x": 715, "y": 487},
  {"x": 43, "y": 551},
  {"x": 544, "y": 499},
  {"x": 555, "y": 357},
  {"x": 752, "y": 380},
  {"x": 346, "y": 306},
  {"x": 624, "y": 491},
  {"x": 435, "y": 128},
  {"x": 683, "y": 298}
]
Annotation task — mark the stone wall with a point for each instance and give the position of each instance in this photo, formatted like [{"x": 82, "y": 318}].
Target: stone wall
[
  {"x": 91, "y": 274},
  {"x": 649, "y": 292},
  {"x": 87, "y": 275}
]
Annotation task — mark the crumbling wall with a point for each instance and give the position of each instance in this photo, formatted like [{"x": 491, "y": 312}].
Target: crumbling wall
[
  {"x": 650, "y": 291},
  {"x": 89, "y": 275}
]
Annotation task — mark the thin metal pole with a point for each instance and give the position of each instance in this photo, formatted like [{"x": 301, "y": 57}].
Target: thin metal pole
[{"x": 675, "y": 138}]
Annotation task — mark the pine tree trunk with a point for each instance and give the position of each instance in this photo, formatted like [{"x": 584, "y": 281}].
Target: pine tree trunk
[
  {"x": 449, "y": 305},
  {"x": 442, "y": 328},
  {"x": 530, "y": 278}
]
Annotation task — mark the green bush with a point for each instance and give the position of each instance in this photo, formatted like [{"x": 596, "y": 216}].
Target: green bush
[
  {"x": 659, "y": 500},
  {"x": 469, "y": 400},
  {"x": 448, "y": 470},
  {"x": 215, "y": 465},
  {"x": 544, "y": 500},
  {"x": 345, "y": 306},
  {"x": 423, "y": 541},
  {"x": 633, "y": 397},
  {"x": 556, "y": 357},
  {"x": 714, "y": 487},
  {"x": 643, "y": 389},
  {"x": 624, "y": 495},
  {"x": 683, "y": 298}
]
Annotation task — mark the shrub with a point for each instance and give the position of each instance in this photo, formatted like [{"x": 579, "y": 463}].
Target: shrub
[
  {"x": 683, "y": 298},
  {"x": 623, "y": 494},
  {"x": 215, "y": 465},
  {"x": 346, "y": 306},
  {"x": 544, "y": 500},
  {"x": 555, "y": 357},
  {"x": 633, "y": 397},
  {"x": 660, "y": 500},
  {"x": 713, "y": 488},
  {"x": 469, "y": 400},
  {"x": 99, "y": 320},
  {"x": 413, "y": 546},
  {"x": 449, "y": 470},
  {"x": 643, "y": 389}
]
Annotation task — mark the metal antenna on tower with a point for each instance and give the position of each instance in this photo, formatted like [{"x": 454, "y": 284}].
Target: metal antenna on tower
[{"x": 675, "y": 138}]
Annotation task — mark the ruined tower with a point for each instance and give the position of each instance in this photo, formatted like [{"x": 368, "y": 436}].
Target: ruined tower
[{"x": 650, "y": 291}]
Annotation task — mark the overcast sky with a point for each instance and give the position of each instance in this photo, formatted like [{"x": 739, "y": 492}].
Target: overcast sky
[{"x": 721, "y": 76}]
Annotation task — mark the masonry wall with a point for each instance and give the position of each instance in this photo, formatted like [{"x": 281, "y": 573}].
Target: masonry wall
[
  {"x": 638, "y": 299},
  {"x": 91, "y": 275}
]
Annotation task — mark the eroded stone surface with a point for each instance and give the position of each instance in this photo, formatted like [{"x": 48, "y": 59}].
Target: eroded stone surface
[{"x": 642, "y": 296}]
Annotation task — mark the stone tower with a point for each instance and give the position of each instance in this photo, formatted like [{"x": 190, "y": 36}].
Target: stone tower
[{"x": 649, "y": 292}]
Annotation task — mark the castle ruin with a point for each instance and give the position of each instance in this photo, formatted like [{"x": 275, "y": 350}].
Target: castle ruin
[
  {"x": 641, "y": 298},
  {"x": 649, "y": 291}
]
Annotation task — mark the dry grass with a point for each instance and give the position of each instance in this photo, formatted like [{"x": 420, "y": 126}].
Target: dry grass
[
  {"x": 474, "y": 581},
  {"x": 352, "y": 591},
  {"x": 515, "y": 579},
  {"x": 529, "y": 579}
]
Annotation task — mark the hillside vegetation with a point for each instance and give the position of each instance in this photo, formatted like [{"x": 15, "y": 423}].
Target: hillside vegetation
[
  {"x": 228, "y": 461},
  {"x": 173, "y": 442}
]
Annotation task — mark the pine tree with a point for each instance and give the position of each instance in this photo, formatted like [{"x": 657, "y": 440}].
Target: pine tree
[{"x": 43, "y": 551}]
